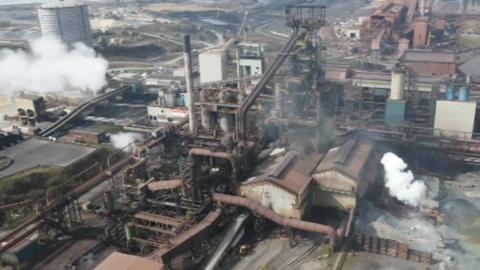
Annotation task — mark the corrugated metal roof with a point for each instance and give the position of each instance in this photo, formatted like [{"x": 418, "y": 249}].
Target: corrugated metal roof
[
  {"x": 429, "y": 56},
  {"x": 120, "y": 261},
  {"x": 296, "y": 172},
  {"x": 349, "y": 158}
]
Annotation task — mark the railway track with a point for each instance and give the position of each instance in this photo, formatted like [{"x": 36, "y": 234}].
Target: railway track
[{"x": 79, "y": 109}]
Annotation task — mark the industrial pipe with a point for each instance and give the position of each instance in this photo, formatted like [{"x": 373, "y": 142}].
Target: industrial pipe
[
  {"x": 208, "y": 153},
  {"x": 281, "y": 220},
  {"x": 164, "y": 185},
  {"x": 266, "y": 77}
]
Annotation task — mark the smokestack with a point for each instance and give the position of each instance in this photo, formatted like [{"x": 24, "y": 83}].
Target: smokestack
[
  {"x": 189, "y": 83},
  {"x": 422, "y": 7}
]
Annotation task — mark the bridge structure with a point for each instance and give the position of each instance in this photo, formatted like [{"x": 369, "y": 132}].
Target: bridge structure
[{"x": 80, "y": 109}]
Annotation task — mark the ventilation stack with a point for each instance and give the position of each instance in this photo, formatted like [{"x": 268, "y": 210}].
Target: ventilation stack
[{"x": 189, "y": 83}]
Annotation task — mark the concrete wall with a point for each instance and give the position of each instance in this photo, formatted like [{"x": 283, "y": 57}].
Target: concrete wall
[
  {"x": 212, "y": 67},
  {"x": 166, "y": 115},
  {"x": 255, "y": 66},
  {"x": 323, "y": 198},
  {"x": 335, "y": 180},
  {"x": 273, "y": 197},
  {"x": 455, "y": 118}
]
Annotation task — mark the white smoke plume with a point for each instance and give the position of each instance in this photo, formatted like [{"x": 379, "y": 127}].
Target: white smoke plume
[
  {"x": 400, "y": 182},
  {"x": 51, "y": 66},
  {"x": 125, "y": 141}
]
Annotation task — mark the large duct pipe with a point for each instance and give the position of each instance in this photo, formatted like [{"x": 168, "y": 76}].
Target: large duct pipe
[
  {"x": 189, "y": 83},
  {"x": 208, "y": 153},
  {"x": 284, "y": 221}
]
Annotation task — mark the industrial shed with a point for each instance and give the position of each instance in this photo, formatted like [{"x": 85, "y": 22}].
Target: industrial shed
[
  {"x": 347, "y": 171},
  {"x": 424, "y": 62},
  {"x": 282, "y": 184},
  {"x": 87, "y": 136}
]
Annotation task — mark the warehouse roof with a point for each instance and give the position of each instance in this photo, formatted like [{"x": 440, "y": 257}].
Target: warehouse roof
[
  {"x": 291, "y": 172},
  {"x": 429, "y": 56},
  {"x": 349, "y": 157},
  {"x": 120, "y": 261}
]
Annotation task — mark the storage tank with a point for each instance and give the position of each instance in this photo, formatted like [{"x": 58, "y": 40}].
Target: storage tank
[
  {"x": 67, "y": 21},
  {"x": 397, "y": 87},
  {"x": 450, "y": 94},
  {"x": 463, "y": 93}
]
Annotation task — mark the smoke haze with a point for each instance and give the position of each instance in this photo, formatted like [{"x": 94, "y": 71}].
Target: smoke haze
[
  {"x": 124, "y": 141},
  {"x": 400, "y": 182},
  {"x": 51, "y": 66}
]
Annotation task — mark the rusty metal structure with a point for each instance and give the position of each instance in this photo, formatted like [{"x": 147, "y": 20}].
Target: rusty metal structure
[
  {"x": 226, "y": 135},
  {"x": 335, "y": 235},
  {"x": 389, "y": 247}
]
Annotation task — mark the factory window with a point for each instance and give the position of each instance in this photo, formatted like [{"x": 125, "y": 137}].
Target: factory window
[
  {"x": 352, "y": 35},
  {"x": 150, "y": 117},
  {"x": 155, "y": 118}
]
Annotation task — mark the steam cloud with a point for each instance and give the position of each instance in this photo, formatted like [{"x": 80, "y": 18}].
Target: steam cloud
[
  {"x": 124, "y": 141},
  {"x": 401, "y": 183},
  {"x": 51, "y": 67}
]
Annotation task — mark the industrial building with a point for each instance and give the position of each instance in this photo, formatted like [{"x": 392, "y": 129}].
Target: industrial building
[
  {"x": 87, "y": 136},
  {"x": 283, "y": 185},
  {"x": 228, "y": 160},
  {"x": 67, "y": 21},
  {"x": 347, "y": 172},
  {"x": 251, "y": 59},
  {"x": 25, "y": 110}
]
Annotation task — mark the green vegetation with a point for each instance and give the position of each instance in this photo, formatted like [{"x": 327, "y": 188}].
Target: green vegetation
[{"x": 31, "y": 183}]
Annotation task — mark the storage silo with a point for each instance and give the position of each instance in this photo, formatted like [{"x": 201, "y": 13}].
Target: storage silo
[{"x": 67, "y": 21}]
